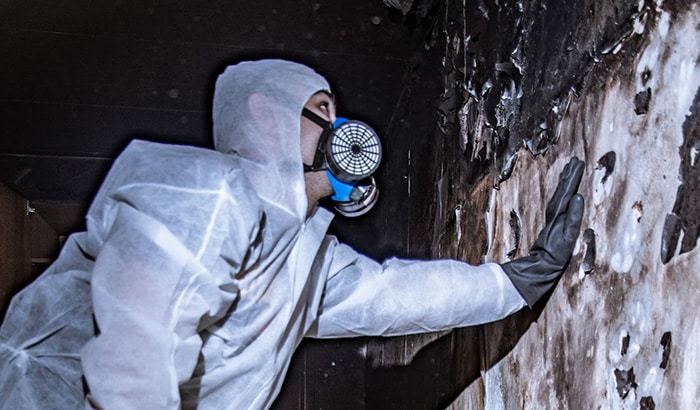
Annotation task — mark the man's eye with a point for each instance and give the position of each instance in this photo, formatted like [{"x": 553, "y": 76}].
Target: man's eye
[{"x": 323, "y": 106}]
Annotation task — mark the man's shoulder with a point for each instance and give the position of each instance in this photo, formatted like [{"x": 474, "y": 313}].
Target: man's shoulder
[
  {"x": 146, "y": 149},
  {"x": 169, "y": 182},
  {"x": 151, "y": 164},
  {"x": 155, "y": 157}
]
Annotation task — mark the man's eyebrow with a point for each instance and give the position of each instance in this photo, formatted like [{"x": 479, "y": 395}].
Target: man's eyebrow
[{"x": 329, "y": 94}]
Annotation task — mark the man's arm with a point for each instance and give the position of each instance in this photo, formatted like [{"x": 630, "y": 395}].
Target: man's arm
[{"x": 402, "y": 297}]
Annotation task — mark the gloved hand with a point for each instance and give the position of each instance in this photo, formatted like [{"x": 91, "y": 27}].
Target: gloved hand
[{"x": 535, "y": 274}]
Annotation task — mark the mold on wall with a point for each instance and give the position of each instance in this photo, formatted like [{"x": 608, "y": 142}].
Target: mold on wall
[{"x": 618, "y": 85}]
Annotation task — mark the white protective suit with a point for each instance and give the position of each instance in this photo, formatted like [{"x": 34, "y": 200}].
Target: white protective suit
[{"x": 203, "y": 273}]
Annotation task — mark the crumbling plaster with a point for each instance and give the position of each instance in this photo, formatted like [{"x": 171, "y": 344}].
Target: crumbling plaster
[{"x": 619, "y": 331}]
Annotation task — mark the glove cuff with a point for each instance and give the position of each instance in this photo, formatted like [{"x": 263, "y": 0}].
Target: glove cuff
[{"x": 531, "y": 280}]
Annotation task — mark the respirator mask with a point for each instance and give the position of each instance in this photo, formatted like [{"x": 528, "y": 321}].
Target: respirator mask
[{"x": 349, "y": 151}]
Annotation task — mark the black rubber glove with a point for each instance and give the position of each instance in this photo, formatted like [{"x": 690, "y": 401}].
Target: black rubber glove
[{"x": 535, "y": 274}]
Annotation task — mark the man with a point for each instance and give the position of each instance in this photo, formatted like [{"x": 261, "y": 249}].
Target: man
[{"x": 205, "y": 269}]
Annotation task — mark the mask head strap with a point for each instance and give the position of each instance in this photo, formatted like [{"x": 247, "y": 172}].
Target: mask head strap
[{"x": 320, "y": 155}]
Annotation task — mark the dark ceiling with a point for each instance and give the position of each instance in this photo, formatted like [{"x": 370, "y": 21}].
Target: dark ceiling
[{"x": 79, "y": 79}]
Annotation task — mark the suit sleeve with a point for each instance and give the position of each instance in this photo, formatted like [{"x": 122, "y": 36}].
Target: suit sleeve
[{"x": 398, "y": 297}]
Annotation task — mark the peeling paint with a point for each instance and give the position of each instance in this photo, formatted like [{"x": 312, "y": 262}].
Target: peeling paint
[
  {"x": 516, "y": 231},
  {"x": 620, "y": 338},
  {"x": 670, "y": 237},
  {"x": 588, "y": 264},
  {"x": 641, "y": 101},
  {"x": 624, "y": 382},
  {"x": 602, "y": 185}
]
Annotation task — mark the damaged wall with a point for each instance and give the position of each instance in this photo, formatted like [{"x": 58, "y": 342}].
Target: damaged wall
[{"x": 527, "y": 86}]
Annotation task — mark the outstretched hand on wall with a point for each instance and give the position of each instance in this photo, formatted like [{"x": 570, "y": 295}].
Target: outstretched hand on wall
[{"x": 535, "y": 274}]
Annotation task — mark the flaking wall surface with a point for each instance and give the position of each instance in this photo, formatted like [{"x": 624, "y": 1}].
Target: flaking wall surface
[{"x": 527, "y": 86}]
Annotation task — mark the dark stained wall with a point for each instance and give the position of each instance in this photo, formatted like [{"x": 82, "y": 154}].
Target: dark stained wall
[{"x": 527, "y": 85}]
